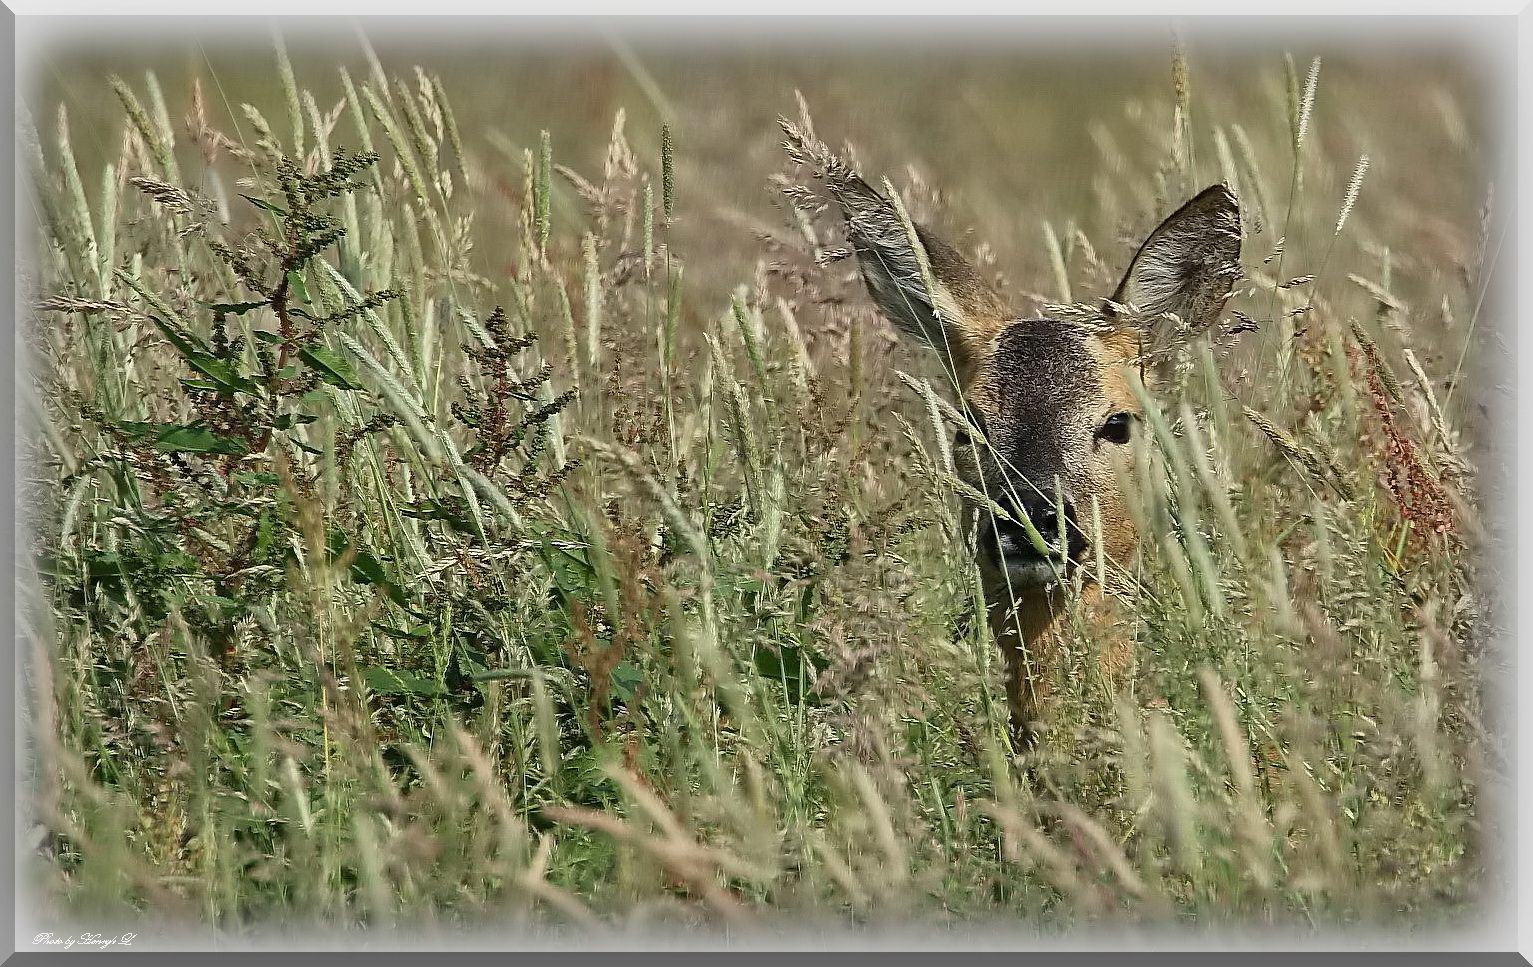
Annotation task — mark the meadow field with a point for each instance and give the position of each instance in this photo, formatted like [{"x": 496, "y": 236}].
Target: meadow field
[{"x": 466, "y": 491}]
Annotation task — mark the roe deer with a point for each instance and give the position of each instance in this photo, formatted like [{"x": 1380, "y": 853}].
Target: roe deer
[{"x": 1052, "y": 401}]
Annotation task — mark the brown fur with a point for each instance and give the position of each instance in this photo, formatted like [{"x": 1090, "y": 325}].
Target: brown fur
[
  {"x": 1046, "y": 391},
  {"x": 1030, "y": 635}
]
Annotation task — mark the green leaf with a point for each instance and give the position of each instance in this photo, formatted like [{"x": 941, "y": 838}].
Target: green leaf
[
  {"x": 235, "y": 308},
  {"x": 573, "y": 574},
  {"x": 102, "y": 564},
  {"x": 176, "y": 561},
  {"x": 330, "y": 366},
  {"x": 263, "y": 204},
  {"x": 201, "y": 358},
  {"x": 266, "y": 533},
  {"x": 435, "y": 510},
  {"x": 289, "y": 420},
  {"x": 256, "y": 478},
  {"x": 367, "y": 569},
  {"x": 186, "y": 343},
  {"x": 585, "y": 766},
  {"x": 386, "y": 681},
  {"x": 183, "y": 437},
  {"x": 791, "y": 667},
  {"x": 468, "y": 664},
  {"x": 196, "y": 438},
  {"x": 222, "y": 372},
  {"x": 625, "y": 680},
  {"x": 418, "y": 632},
  {"x": 295, "y": 283}
]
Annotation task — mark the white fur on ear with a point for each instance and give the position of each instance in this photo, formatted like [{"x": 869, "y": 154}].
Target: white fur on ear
[
  {"x": 1189, "y": 264},
  {"x": 950, "y": 308}
]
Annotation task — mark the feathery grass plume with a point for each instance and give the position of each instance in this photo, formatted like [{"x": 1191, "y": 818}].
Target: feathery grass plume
[
  {"x": 1189, "y": 517},
  {"x": 411, "y": 108},
  {"x": 353, "y": 304},
  {"x": 1181, "y": 85},
  {"x": 290, "y": 94},
  {"x": 402, "y": 151},
  {"x": 542, "y": 190},
  {"x": 739, "y": 421},
  {"x": 935, "y": 407},
  {"x": 593, "y": 302},
  {"x": 1353, "y": 187},
  {"x": 1371, "y": 351},
  {"x": 1024, "y": 843},
  {"x": 1057, "y": 262},
  {"x": 1251, "y": 180},
  {"x": 1243, "y": 181},
  {"x": 1218, "y": 494},
  {"x": 570, "y": 331},
  {"x": 1107, "y": 852},
  {"x": 359, "y": 121},
  {"x": 45, "y": 190},
  {"x": 167, "y": 135},
  {"x": 647, "y": 208},
  {"x": 1228, "y": 172},
  {"x": 1387, "y": 300},
  {"x": 1174, "y": 803},
  {"x": 1254, "y": 834},
  {"x": 1305, "y": 106},
  {"x": 84, "y": 307},
  {"x": 322, "y": 128},
  {"x": 667, "y": 171},
  {"x": 450, "y": 120},
  {"x": 685, "y": 860},
  {"x": 106, "y": 235},
  {"x": 142, "y": 125},
  {"x": 79, "y": 208},
  {"x": 1429, "y": 704},
  {"x": 171, "y": 198},
  {"x": 265, "y": 139},
  {"x": 1307, "y": 458},
  {"x": 144, "y": 292},
  {"x": 748, "y": 324},
  {"x": 803, "y": 368},
  {"x": 1453, "y": 462}
]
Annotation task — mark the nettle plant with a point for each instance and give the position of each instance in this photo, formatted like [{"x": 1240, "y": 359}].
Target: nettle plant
[{"x": 227, "y": 473}]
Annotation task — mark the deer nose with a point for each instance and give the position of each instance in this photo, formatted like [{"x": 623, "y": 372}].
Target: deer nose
[{"x": 1043, "y": 512}]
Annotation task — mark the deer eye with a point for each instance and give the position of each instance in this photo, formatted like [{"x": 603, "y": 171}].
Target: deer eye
[
  {"x": 962, "y": 440},
  {"x": 1117, "y": 428}
]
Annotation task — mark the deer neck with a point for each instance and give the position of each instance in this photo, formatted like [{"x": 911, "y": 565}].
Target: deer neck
[
  {"x": 1030, "y": 616},
  {"x": 1030, "y": 626}
]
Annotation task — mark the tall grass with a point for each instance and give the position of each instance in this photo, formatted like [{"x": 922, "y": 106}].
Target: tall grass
[{"x": 376, "y": 589}]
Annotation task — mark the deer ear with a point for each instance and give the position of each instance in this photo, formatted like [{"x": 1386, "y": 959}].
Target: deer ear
[
  {"x": 1189, "y": 263},
  {"x": 958, "y": 315}
]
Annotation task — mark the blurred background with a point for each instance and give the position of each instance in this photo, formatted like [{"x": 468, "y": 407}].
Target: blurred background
[{"x": 1014, "y": 123}]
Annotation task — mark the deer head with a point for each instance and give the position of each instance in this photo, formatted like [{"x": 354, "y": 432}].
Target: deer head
[{"x": 1052, "y": 401}]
